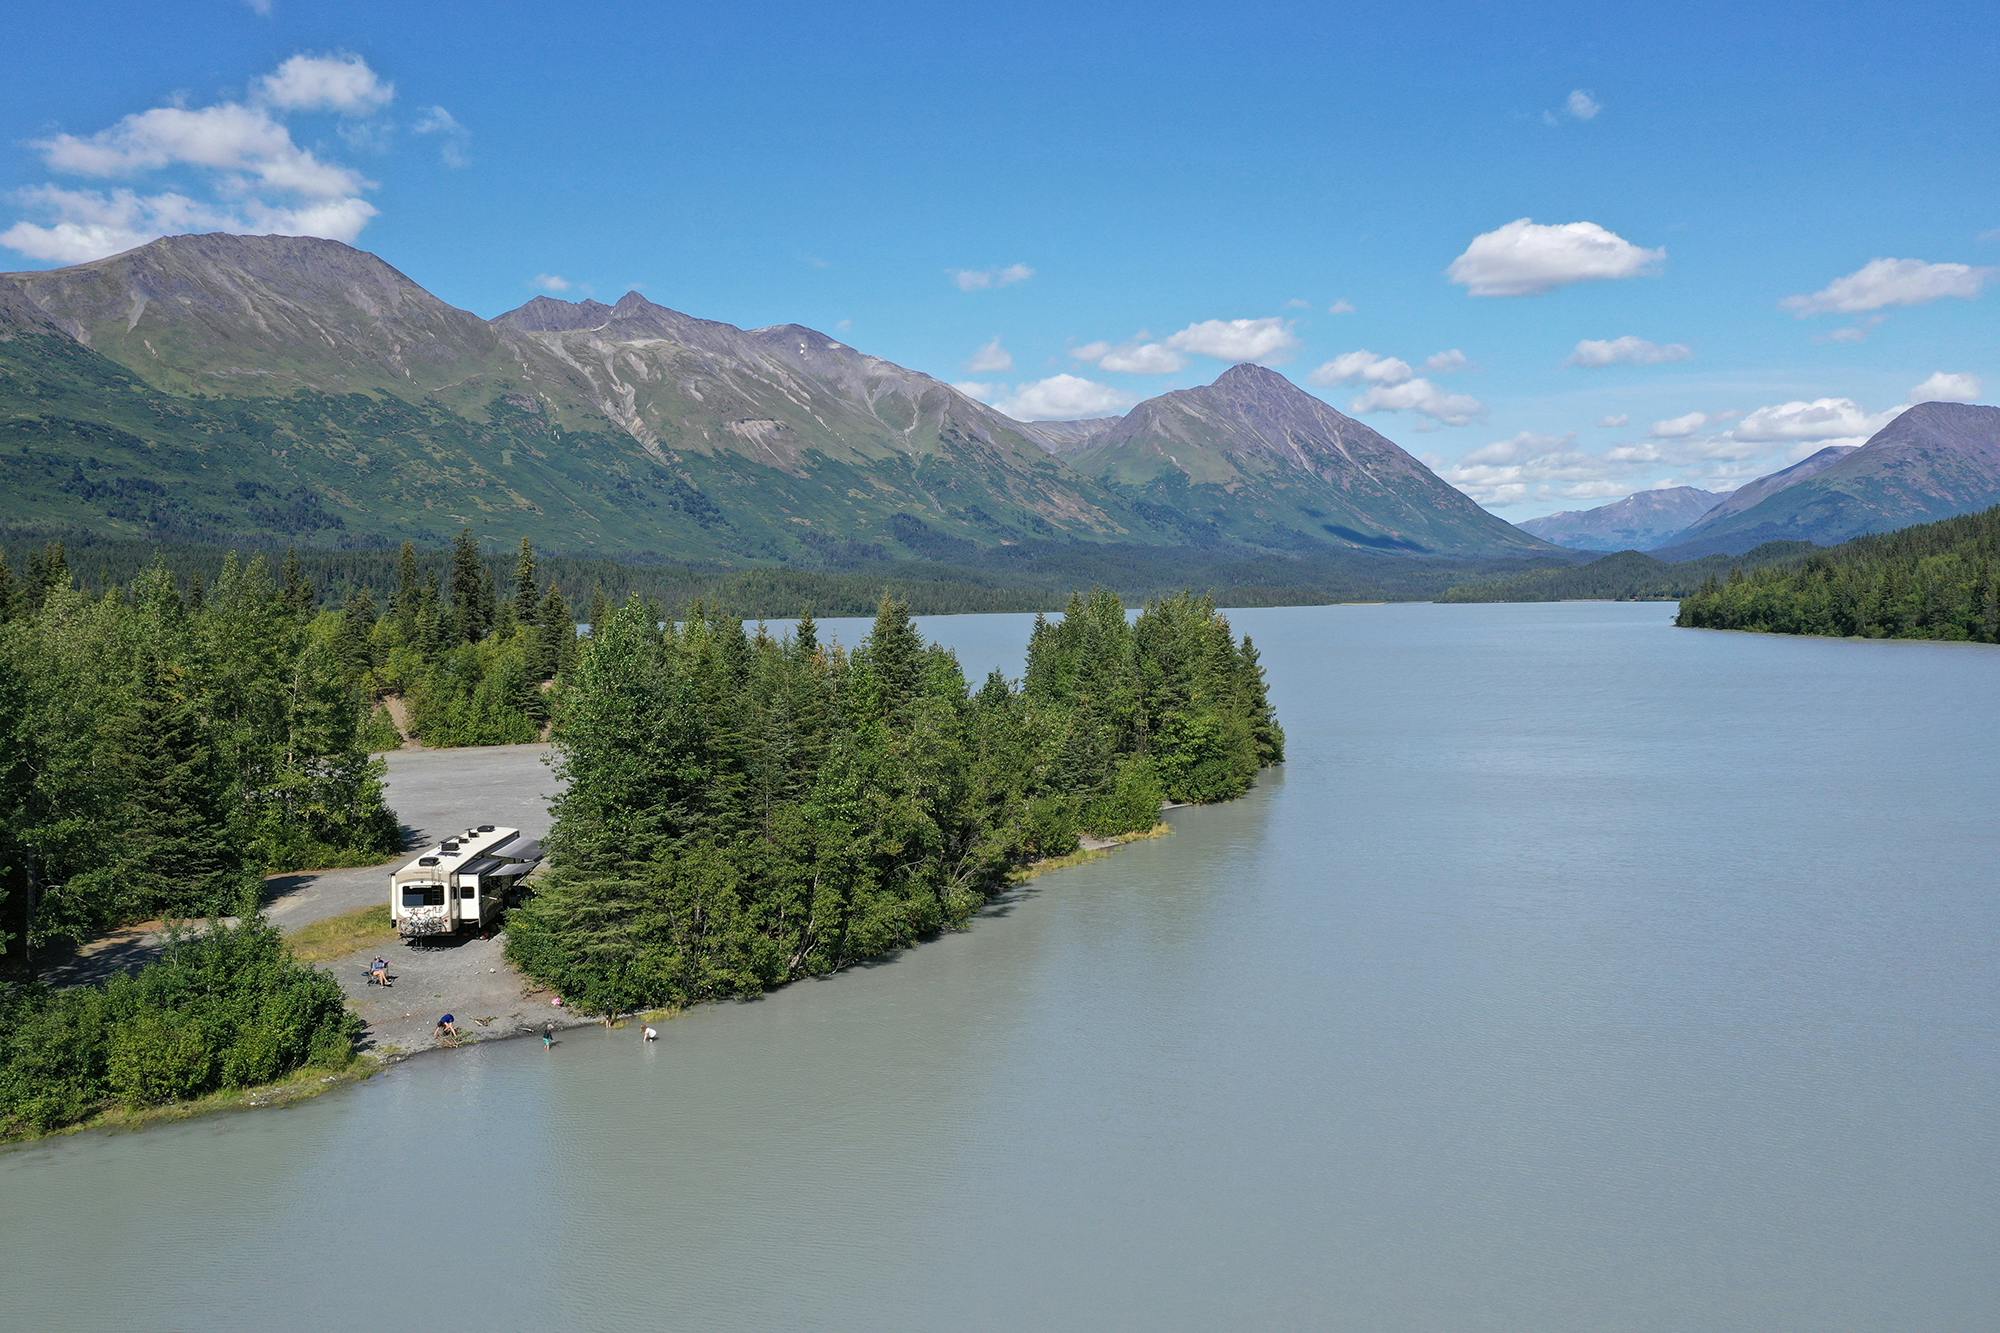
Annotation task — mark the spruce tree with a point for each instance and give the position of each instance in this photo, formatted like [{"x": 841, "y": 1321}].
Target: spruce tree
[
  {"x": 409, "y": 592},
  {"x": 467, "y": 589},
  {"x": 527, "y": 594},
  {"x": 295, "y": 590},
  {"x": 184, "y": 855}
]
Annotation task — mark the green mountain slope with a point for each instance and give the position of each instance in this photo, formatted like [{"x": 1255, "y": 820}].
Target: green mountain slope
[{"x": 219, "y": 387}]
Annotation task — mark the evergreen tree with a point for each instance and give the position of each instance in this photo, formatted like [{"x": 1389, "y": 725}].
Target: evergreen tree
[
  {"x": 469, "y": 590},
  {"x": 184, "y": 851},
  {"x": 295, "y": 591},
  {"x": 409, "y": 592},
  {"x": 527, "y": 593}
]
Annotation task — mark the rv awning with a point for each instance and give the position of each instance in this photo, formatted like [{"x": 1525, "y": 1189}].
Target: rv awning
[
  {"x": 512, "y": 870},
  {"x": 530, "y": 850}
]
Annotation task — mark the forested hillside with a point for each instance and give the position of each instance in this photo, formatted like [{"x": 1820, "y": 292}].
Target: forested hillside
[
  {"x": 1937, "y": 581},
  {"x": 744, "y": 810},
  {"x": 1629, "y": 576}
]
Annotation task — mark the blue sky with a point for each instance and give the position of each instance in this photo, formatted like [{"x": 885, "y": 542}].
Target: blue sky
[{"x": 1793, "y": 222}]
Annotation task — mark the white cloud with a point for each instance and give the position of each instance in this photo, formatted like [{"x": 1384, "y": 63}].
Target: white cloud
[
  {"x": 1580, "y": 105},
  {"x": 1269, "y": 339},
  {"x": 1362, "y": 365},
  {"x": 979, "y": 279},
  {"x": 1341, "y": 307},
  {"x": 82, "y": 225},
  {"x": 1947, "y": 387},
  {"x": 990, "y": 359},
  {"x": 983, "y": 390},
  {"x": 1820, "y": 419},
  {"x": 1298, "y": 303},
  {"x": 1635, "y": 453},
  {"x": 1680, "y": 427},
  {"x": 1616, "y": 421},
  {"x": 342, "y": 83},
  {"x": 231, "y": 166},
  {"x": 1450, "y": 359},
  {"x": 551, "y": 282},
  {"x": 1526, "y": 444},
  {"x": 225, "y": 137},
  {"x": 1422, "y": 397},
  {"x": 454, "y": 140},
  {"x": 1137, "y": 357},
  {"x": 1881, "y": 283},
  {"x": 1526, "y": 258},
  {"x": 1143, "y": 359},
  {"x": 1061, "y": 397},
  {"x": 1627, "y": 351}
]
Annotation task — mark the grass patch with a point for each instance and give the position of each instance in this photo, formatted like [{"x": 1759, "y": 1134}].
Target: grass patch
[
  {"x": 1085, "y": 855},
  {"x": 338, "y": 936}
]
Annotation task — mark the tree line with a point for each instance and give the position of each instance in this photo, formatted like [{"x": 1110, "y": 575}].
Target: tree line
[
  {"x": 1933, "y": 581},
  {"x": 743, "y": 810}
]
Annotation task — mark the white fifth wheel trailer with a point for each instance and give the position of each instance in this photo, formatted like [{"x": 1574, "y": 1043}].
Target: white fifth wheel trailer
[{"x": 462, "y": 883}]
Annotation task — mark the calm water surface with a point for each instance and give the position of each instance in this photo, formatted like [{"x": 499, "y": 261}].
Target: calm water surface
[{"x": 1576, "y": 972}]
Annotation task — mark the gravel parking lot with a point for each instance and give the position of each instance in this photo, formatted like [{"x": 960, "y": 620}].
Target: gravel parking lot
[{"x": 434, "y": 793}]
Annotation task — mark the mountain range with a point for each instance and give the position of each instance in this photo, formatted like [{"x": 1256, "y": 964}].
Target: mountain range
[
  {"x": 1932, "y": 461},
  {"x": 1636, "y": 523},
  {"x": 225, "y": 386}
]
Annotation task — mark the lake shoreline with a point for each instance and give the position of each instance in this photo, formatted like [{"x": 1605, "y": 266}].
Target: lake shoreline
[{"x": 306, "y": 1084}]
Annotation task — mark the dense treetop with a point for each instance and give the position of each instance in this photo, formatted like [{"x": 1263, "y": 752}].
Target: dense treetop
[{"x": 1936, "y": 581}]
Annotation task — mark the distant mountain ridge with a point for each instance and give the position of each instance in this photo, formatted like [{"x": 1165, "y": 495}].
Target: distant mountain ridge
[
  {"x": 202, "y": 386},
  {"x": 1934, "y": 461},
  {"x": 1638, "y": 522}
]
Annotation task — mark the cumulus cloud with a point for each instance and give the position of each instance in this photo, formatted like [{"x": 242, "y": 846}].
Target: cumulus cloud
[
  {"x": 1819, "y": 419},
  {"x": 551, "y": 282},
  {"x": 1580, "y": 105},
  {"x": 1268, "y": 340},
  {"x": 1679, "y": 428},
  {"x": 1523, "y": 466},
  {"x": 1627, "y": 351},
  {"x": 1947, "y": 387},
  {"x": 990, "y": 359},
  {"x": 1362, "y": 365},
  {"x": 1882, "y": 283},
  {"x": 1341, "y": 307},
  {"x": 231, "y": 166},
  {"x": 979, "y": 279},
  {"x": 1140, "y": 356},
  {"x": 81, "y": 225},
  {"x": 1616, "y": 421},
  {"x": 1425, "y": 399},
  {"x": 342, "y": 83},
  {"x": 1060, "y": 398},
  {"x": 1526, "y": 258},
  {"x": 1450, "y": 359}
]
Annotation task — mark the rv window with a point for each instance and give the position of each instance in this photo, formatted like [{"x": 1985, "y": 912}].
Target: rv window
[
  {"x": 424, "y": 895},
  {"x": 467, "y": 891}
]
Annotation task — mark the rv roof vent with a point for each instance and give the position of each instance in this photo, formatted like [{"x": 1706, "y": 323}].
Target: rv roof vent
[
  {"x": 427, "y": 860},
  {"x": 448, "y": 845},
  {"x": 485, "y": 828}
]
